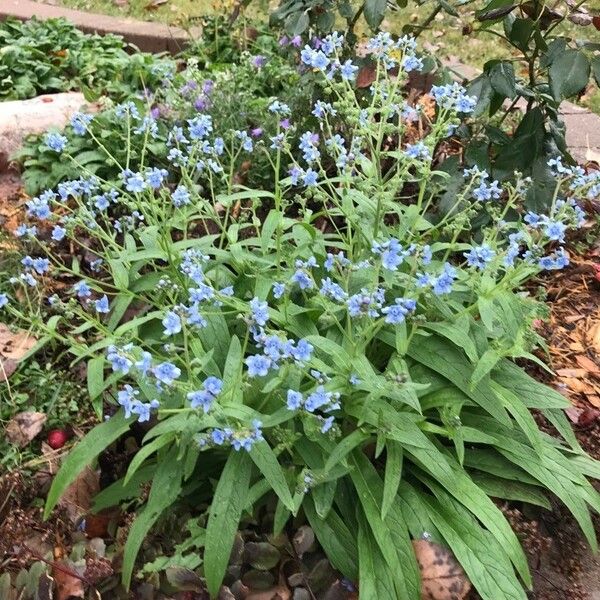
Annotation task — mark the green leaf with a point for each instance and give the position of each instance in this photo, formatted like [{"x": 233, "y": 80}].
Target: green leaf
[
  {"x": 391, "y": 536},
  {"x": 457, "y": 333},
  {"x": 569, "y": 74},
  {"x": 231, "y": 370},
  {"x": 484, "y": 365},
  {"x": 521, "y": 415},
  {"x": 520, "y": 33},
  {"x": 480, "y": 555},
  {"x": 481, "y": 88},
  {"x": 225, "y": 512},
  {"x": 95, "y": 376},
  {"x": 269, "y": 227},
  {"x": 376, "y": 580},
  {"x": 374, "y": 12},
  {"x": 502, "y": 78},
  {"x": 118, "y": 492},
  {"x": 356, "y": 438},
  {"x": 335, "y": 538},
  {"x": 450, "y": 362},
  {"x": 145, "y": 451},
  {"x": 166, "y": 486},
  {"x": 497, "y": 487},
  {"x": 297, "y": 23},
  {"x": 596, "y": 69},
  {"x": 266, "y": 461},
  {"x": 393, "y": 474},
  {"x": 82, "y": 455}
]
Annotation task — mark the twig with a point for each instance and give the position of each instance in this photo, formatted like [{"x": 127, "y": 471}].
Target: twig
[{"x": 58, "y": 567}]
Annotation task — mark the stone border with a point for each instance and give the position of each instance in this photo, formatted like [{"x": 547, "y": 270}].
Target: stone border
[{"x": 147, "y": 36}]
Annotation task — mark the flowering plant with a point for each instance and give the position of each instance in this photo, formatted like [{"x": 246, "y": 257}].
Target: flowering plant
[{"x": 336, "y": 343}]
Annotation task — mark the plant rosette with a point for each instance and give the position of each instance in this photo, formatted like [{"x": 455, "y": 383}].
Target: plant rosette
[{"x": 337, "y": 342}]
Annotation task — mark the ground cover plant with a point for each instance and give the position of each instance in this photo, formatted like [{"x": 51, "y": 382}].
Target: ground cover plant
[
  {"x": 40, "y": 57},
  {"x": 340, "y": 343},
  {"x": 231, "y": 79}
]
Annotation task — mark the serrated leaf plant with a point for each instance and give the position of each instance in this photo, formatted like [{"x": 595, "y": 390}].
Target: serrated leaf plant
[{"x": 336, "y": 345}]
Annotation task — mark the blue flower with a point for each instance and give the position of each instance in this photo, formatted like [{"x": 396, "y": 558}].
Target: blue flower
[
  {"x": 365, "y": 303},
  {"x": 260, "y": 311},
  {"x": 396, "y": 313},
  {"x": 118, "y": 359},
  {"x": 310, "y": 178},
  {"x": 180, "y": 196},
  {"x": 327, "y": 424},
  {"x": 102, "y": 305},
  {"x": 479, "y": 256},
  {"x": 332, "y": 290},
  {"x": 485, "y": 192},
  {"x": 38, "y": 208},
  {"x": 278, "y": 290},
  {"x": 219, "y": 436},
  {"x": 348, "y": 70},
  {"x": 24, "y": 231},
  {"x": 200, "y": 126},
  {"x": 444, "y": 282},
  {"x": 3, "y": 300},
  {"x": 171, "y": 323},
  {"x": 155, "y": 177},
  {"x": 295, "y": 400},
  {"x": 126, "y": 398},
  {"x": 134, "y": 182},
  {"x": 303, "y": 351},
  {"x": 320, "y": 398},
  {"x": 247, "y": 144},
  {"x": 279, "y": 108},
  {"x": 56, "y": 142},
  {"x": 323, "y": 108},
  {"x": 303, "y": 280},
  {"x": 166, "y": 372},
  {"x": 418, "y": 151},
  {"x": 412, "y": 63},
  {"x": 555, "y": 230},
  {"x": 80, "y": 122},
  {"x": 143, "y": 410},
  {"x": 82, "y": 289},
  {"x": 258, "y": 365},
  {"x": 211, "y": 389},
  {"x": 41, "y": 265}
]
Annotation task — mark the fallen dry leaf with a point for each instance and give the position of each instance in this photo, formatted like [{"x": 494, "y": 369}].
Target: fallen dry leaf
[
  {"x": 15, "y": 344},
  {"x": 587, "y": 363},
  {"x": 366, "y": 75},
  {"x": 7, "y": 367},
  {"x": 571, "y": 372},
  {"x": 68, "y": 584},
  {"x": 583, "y": 417},
  {"x": 77, "y": 499},
  {"x": 594, "y": 337},
  {"x": 23, "y": 427},
  {"x": 442, "y": 578}
]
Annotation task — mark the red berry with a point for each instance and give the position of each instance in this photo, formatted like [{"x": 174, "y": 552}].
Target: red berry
[{"x": 57, "y": 438}]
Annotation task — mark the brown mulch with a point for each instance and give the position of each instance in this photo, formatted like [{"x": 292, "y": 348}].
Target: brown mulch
[{"x": 572, "y": 334}]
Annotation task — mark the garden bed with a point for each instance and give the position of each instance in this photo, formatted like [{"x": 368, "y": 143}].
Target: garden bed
[{"x": 301, "y": 327}]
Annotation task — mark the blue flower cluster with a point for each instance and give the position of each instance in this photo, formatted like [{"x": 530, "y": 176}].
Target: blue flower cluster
[
  {"x": 241, "y": 439},
  {"x": 205, "y": 397},
  {"x": 320, "y": 399}
]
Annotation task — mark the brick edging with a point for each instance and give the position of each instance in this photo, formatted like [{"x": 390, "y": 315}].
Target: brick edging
[{"x": 147, "y": 36}]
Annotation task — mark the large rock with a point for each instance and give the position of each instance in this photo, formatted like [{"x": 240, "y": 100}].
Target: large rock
[{"x": 20, "y": 118}]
